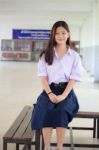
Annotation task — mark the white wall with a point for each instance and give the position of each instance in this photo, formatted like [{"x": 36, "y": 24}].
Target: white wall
[
  {"x": 90, "y": 42},
  {"x": 7, "y": 24},
  {"x": 75, "y": 33}
]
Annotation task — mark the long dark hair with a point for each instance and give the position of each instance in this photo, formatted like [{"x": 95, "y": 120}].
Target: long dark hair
[{"x": 49, "y": 51}]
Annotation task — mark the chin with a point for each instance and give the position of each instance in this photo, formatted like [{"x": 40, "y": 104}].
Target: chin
[{"x": 61, "y": 43}]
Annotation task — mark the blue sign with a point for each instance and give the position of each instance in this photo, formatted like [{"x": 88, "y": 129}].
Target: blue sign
[{"x": 31, "y": 34}]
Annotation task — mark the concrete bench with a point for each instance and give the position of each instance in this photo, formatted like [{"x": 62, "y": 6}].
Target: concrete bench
[{"x": 20, "y": 132}]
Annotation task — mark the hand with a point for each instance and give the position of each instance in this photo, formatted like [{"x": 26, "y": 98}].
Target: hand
[
  {"x": 52, "y": 97},
  {"x": 60, "y": 98}
]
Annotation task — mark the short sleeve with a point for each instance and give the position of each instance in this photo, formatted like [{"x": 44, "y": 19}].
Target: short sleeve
[
  {"x": 42, "y": 67},
  {"x": 77, "y": 69}
]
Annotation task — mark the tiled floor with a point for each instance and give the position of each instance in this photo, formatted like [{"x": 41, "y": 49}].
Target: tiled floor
[{"x": 20, "y": 86}]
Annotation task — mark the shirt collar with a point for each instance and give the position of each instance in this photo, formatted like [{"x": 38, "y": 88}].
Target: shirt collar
[
  {"x": 55, "y": 52},
  {"x": 68, "y": 52}
]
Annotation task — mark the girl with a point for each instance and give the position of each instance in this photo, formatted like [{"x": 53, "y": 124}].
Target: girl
[{"x": 59, "y": 68}]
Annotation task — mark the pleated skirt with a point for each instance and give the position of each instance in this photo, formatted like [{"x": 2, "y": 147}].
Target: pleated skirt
[{"x": 48, "y": 114}]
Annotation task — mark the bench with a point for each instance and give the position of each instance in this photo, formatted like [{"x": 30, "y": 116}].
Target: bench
[
  {"x": 90, "y": 115},
  {"x": 94, "y": 128},
  {"x": 20, "y": 132}
]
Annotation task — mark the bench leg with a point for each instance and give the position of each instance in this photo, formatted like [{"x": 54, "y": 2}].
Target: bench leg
[
  {"x": 4, "y": 145},
  {"x": 42, "y": 142},
  {"x": 94, "y": 126},
  {"x": 28, "y": 146},
  {"x": 37, "y": 140},
  {"x": 17, "y": 146},
  {"x": 71, "y": 138},
  {"x": 97, "y": 128}
]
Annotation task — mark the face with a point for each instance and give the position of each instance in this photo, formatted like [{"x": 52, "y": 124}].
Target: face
[{"x": 61, "y": 35}]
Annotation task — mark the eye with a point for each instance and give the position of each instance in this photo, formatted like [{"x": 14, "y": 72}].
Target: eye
[
  {"x": 63, "y": 33},
  {"x": 57, "y": 33}
]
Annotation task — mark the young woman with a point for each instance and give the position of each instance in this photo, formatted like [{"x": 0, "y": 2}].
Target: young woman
[{"x": 59, "y": 68}]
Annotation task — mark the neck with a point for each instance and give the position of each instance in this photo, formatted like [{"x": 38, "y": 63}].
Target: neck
[{"x": 61, "y": 48}]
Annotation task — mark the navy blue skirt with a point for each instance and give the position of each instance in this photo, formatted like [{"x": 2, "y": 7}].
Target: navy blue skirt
[{"x": 48, "y": 114}]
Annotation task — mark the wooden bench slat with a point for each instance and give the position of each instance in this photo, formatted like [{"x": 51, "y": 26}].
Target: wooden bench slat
[
  {"x": 9, "y": 134},
  {"x": 29, "y": 133},
  {"x": 23, "y": 126},
  {"x": 83, "y": 114}
]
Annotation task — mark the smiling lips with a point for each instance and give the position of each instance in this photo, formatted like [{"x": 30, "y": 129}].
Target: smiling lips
[{"x": 60, "y": 39}]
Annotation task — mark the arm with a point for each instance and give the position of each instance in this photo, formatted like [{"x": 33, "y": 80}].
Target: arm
[
  {"x": 46, "y": 87},
  {"x": 69, "y": 87},
  {"x": 67, "y": 90},
  {"x": 75, "y": 76}
]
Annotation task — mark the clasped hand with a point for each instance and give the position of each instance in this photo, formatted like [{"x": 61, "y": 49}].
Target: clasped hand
[{"x": 56, "y": 98}]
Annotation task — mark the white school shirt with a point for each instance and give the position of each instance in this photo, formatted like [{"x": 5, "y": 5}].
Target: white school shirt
[{"x": 61, "y": 70}]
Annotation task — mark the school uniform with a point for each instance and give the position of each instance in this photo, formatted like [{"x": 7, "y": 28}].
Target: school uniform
[{"x": 47, "y": 113}]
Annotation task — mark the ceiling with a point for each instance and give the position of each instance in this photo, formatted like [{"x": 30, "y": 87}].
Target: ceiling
[{"x": 46, "y": 12}]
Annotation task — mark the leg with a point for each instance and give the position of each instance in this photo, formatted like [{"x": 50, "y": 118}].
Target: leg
[
  {"x": 47, "y": 137},
  {"x": 60, "y": 137}
]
